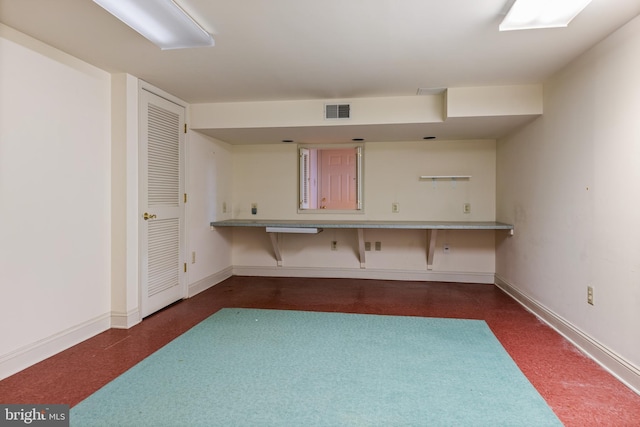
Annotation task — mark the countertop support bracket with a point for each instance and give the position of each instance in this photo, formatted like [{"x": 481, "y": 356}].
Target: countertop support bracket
[{"x": 431, "y": 247}]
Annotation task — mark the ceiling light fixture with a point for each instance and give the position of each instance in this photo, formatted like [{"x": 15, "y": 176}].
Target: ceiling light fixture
[
  {"x": 532, "y": 14},
  {"x": 163, "y": 22}
]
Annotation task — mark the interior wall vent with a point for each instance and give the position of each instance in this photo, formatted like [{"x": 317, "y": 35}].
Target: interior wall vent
[{"x": 337, "y": 111}]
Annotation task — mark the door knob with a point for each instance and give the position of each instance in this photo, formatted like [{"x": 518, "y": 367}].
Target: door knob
[{"x": 147, "y": 216}]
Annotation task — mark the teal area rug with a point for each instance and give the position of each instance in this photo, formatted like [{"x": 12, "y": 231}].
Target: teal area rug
[{"x": 247, "y": 367}]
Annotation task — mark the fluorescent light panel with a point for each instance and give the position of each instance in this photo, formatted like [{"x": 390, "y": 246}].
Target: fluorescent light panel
[
  {"x": 163, "y": 22},
  {"x": 531, "y": 14},
  {"x": 296, "y": 230}
]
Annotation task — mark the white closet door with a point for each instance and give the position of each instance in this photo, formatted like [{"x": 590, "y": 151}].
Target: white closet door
[{"x": 162, "y": 274}]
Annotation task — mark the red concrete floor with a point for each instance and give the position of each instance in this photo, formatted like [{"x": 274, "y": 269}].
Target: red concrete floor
[{"x": 579, "y": 391}]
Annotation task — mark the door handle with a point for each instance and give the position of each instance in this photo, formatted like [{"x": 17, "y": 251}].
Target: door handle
[{"x": 147, "y": 216}]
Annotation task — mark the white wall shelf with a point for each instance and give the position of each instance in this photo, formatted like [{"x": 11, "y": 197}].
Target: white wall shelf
[{"x": 444, "y": 177}]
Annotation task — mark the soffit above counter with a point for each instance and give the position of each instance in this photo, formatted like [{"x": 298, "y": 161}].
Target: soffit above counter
[{"x": 455, "y": 114}]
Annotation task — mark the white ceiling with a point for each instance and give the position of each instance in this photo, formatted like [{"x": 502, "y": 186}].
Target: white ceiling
[{"x": 325, "y": 49}]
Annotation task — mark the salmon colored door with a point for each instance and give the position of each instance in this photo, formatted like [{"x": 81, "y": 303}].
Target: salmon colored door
[{"x": 338, "y": 179}]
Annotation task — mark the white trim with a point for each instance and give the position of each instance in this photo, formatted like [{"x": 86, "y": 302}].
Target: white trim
[
  {"x": 31, "y": 354},
  {"x": 142, "y": 85},
  {"x": 358, "y": 273},
  {"x": 209, "y": 281},
  {"x": 615, "y": 364},
  {"x": 122, "y": 320}
]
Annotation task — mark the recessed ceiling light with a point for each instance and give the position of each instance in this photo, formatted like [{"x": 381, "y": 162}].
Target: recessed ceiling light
[
  {"x": 532, "y": 14},
  {"x": 357, "y": 139}
]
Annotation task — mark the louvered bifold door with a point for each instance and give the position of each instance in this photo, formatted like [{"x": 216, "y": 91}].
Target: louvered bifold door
[
  {"x": 305, "y": 178},
  {"x": 161, "y": 155}
]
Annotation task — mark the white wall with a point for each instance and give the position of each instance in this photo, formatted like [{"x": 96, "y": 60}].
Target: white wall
[
  {"x": 125, "y": 272},
  {"x": 568, "y": 182},
  {"x": 66, "y": 267},
  {"x": 267, "y": 175},
  {"x": 55, "y": 200},
  {"x": 392, "y": 170},
  {"x": 494, "y": 101},
  {"x": 208, "y": 185}
]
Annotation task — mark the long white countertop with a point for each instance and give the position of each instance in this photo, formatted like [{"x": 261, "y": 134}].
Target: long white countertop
[
  {"x": 366, "y": 224},
  {"x": 276, "y": 227}
]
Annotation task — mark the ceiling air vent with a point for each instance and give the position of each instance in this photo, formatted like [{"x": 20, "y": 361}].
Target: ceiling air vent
[{"x": 337, "y": 111}]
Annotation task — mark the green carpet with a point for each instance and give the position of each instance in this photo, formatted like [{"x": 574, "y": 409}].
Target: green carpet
[{"x": 246, "y": 367}]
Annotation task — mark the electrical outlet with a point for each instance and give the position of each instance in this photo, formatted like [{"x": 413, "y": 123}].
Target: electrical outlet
[
  {"x": 590, "y": 295},
  {"x": 378, "y": 246},
  {"x": 367, "y": 246},
  {"x": 193, "y": 257},
  {"x": 395, "y": 207},
  {"x": 224, "y": 207},
  {"x": 254, "y": 208},
  {"x": 466, "y": 208},
  {"x": 446, "y": 248},
  {"x": 334, "y": 245}
]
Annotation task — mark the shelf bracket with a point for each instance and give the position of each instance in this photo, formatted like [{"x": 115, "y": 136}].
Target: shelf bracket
[
  {"x": 276, "y": 248},
  {"x": 361, "y": 247},
  {"x": 431, "y": 247}
]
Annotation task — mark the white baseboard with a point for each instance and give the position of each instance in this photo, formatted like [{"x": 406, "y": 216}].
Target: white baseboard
[
  {"x": 352, "y": 273},
  {"x": 622, "y": 369},
  {"x": 31, "y": 354},
  {"x": 209, "y": 281},
  {"x": 121, "y": 320}
]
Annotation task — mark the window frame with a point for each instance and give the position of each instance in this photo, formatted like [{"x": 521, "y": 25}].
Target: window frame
[{"x": 304, "y": 190}]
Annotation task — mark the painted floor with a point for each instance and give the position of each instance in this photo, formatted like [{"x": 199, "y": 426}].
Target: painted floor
[{"x": 578, "y": 390}]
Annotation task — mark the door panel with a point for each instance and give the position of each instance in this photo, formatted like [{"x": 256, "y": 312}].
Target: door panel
[
  {"x": 161, "y": 203},
  {"x": 338, "y": 175},
  {"x": 164, "y": 255}
]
